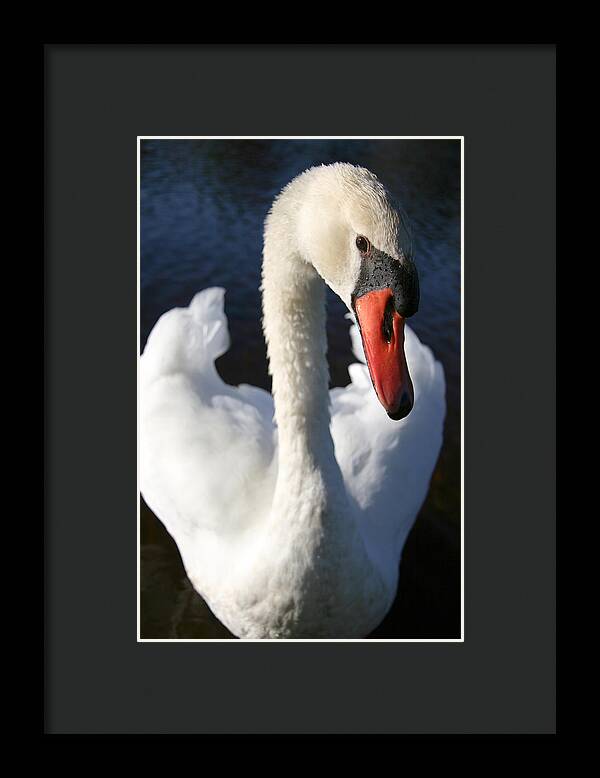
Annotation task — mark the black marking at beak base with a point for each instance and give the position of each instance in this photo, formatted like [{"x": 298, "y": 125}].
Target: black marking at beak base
[{"x": 380, "y": 271}]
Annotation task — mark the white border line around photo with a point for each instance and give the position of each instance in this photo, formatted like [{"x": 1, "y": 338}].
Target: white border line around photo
[{"x": 462, "y": 340}]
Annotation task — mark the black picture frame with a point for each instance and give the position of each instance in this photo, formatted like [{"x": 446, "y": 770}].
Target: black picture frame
[{"x": 98, "y": 678}]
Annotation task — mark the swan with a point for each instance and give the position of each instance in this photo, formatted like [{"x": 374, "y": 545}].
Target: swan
[{"x": 290, "y": 510}]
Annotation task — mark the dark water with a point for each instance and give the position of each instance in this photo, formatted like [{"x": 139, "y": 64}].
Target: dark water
[{"x": 203, "y": 204}]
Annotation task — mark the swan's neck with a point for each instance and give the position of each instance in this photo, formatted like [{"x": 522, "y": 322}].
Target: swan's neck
[{"x": 294, "y": 324}]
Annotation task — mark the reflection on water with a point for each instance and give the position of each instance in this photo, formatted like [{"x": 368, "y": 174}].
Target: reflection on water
[{"x": 203, "y": 205}]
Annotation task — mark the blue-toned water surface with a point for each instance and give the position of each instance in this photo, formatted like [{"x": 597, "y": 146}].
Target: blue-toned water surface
[{"x": 202, "y": 209}]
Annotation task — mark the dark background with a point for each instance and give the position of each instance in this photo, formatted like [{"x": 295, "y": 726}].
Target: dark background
[
  {"x": 98, "y": 678},
  {"x": 202, "y": 210}
]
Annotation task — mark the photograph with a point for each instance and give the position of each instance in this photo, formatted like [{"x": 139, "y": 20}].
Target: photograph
[{"x": 300, "y": 389}]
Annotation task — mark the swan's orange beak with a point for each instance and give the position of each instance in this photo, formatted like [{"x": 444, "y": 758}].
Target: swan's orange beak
[{"x": 382, "y": 331}]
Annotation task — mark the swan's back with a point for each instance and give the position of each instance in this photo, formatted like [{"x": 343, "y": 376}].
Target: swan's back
[{"x": 209, "y": 450}]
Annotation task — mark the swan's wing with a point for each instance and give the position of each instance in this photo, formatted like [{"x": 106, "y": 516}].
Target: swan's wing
[
  {"x": 206, "y": 448},
  {"x": 387, "y": 465}
]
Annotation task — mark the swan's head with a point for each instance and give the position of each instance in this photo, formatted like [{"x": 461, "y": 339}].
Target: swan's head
[{"x": 348, "y": 229}]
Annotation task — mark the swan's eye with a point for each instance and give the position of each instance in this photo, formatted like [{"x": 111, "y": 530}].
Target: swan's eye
[{"x": 363, "y": 245}]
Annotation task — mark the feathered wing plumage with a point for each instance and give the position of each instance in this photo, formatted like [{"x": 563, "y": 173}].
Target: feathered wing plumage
[
  {"x": 208, "y": 450},
  {"x": 387, "y": 465}
]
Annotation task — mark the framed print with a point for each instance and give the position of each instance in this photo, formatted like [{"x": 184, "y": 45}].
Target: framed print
[{"x": 299, "y": 459}]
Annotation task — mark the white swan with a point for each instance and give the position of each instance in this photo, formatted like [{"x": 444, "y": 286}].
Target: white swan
[{"x": 290, "y": 512}]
